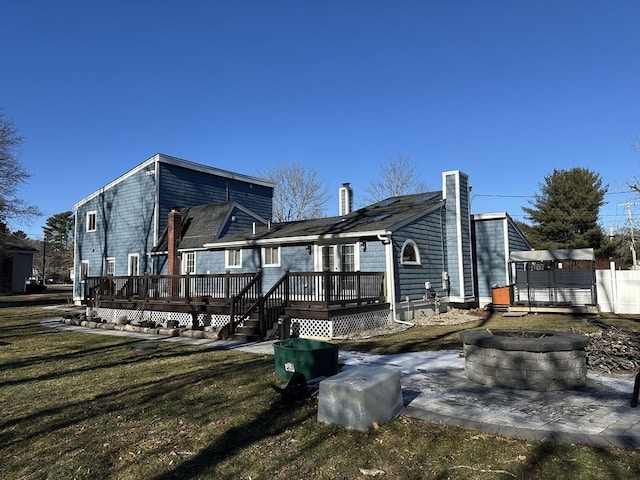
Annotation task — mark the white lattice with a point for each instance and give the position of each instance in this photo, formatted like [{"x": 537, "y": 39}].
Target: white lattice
[
  {"x": 184, "y": 319},
  {"x": 339, "y": 326},
  {"x": 303, "y": 327}
]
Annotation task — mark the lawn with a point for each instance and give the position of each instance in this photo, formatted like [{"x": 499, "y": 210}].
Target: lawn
[{"x": 78, "y": 405}]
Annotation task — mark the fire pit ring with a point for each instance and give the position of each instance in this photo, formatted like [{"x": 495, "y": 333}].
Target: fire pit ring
[{"x": 538, "y": 360}]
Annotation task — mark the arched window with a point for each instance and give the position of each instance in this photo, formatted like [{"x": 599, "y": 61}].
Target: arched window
[{"x": 410, "y": 255}]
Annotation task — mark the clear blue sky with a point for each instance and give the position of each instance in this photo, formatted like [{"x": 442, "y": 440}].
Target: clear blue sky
[{"x": 505, "y": 91}]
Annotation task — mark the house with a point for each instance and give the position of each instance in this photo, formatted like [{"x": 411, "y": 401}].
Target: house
[
  {"x": 494, "y": 236},
  {"x": 392, "y": 260},
  {"x": 16, "y": 262},
  {"x": 118, "y": 226}
]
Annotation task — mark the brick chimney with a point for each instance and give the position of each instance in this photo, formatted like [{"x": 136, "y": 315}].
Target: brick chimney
[{"x": 174, "y": 230}]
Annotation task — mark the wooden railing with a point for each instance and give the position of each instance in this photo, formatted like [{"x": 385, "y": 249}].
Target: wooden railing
[
  {"x": 321, "y": 290},
  {"x": 242, "y": 292},
  {"x": 327, "y": 289},
  {"x": 166, "y": 287}
]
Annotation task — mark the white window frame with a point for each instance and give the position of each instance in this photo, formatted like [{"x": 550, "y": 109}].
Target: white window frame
[
  {"x": 130, "y": 271},
  {"x": 227, "y": 258},
  {"x": 410, "y": 243},
  {"x": 271, "y": 263},
  {"x": 334, "y": 252},
  {"x": 110, "y": 264},
  {"x": 92, "y": 221},
  {"x": 185, "y": 263},
  {"x": 84, "y": 270}
]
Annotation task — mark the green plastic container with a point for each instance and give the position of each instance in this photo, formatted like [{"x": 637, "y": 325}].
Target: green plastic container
[{"x": 312, "y": 358}]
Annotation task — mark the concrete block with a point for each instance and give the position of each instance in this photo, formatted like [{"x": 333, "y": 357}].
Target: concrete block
[{"x": 359, "y": 397}]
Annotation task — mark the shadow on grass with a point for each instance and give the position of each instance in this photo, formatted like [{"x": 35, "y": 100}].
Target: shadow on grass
[
  {"x": 100, "y": 363},
  {"x": 273, "y": 421},
  {"x": 165, "y": 388}
]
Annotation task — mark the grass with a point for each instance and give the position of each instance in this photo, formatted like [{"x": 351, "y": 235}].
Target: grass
[{"x": 86, "y": 406}]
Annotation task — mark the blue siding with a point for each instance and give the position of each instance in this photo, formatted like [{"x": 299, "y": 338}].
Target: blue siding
[
  {"x": 410, "y": 279},
  {"x": 124, "y": 225},
  {"x": 374, "y": 259},
  {"x": 490, "y": 257},
  {"x": 181, "y": 187}
]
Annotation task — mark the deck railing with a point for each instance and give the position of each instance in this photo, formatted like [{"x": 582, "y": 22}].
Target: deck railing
[
  {"x": 241, "y": 293},
  {"x": 166, "y": 287}
]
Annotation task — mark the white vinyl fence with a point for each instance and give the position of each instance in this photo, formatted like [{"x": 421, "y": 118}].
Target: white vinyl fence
[{"x": 618, "y": 290}]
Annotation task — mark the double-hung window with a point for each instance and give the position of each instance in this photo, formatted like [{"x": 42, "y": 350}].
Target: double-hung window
[
  {"x": 110, "y": 266},
  {"x": 189, "y": 264},
  {"x": 271, "y": 256},
  {"x": 92, "y": 221},
  {"x": 233, "y": 258}
]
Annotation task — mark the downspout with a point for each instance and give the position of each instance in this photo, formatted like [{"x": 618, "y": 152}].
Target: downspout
[{"x": 391, "y": 283}]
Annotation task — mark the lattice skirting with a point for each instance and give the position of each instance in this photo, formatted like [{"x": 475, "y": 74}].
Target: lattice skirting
[
  {"x": 303, "y": 327},
  {"x": 340, "y": 326}
]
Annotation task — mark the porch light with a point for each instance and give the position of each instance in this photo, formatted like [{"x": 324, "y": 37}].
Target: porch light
[
  {"x": 309, "y": 247},
  {"x": 363, "y": 244}
]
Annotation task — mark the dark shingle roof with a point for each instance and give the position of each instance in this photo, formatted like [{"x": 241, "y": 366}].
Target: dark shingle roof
[
  {"x": 378, "y": 217},
  {"x": 200, "y": 224}
]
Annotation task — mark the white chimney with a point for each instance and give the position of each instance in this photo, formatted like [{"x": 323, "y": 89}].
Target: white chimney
[{"x": 345, "y": 194}]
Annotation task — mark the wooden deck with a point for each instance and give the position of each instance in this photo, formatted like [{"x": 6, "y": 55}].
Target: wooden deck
[{"x": 318, "y": 295}]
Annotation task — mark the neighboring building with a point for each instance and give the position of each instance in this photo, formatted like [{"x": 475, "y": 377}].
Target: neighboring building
[
  {"x": 118, "y": 226},
  {"x": 16, "y": 262}
]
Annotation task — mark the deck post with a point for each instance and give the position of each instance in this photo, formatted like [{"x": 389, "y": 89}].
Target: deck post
[{"x": 327, "y": 288}]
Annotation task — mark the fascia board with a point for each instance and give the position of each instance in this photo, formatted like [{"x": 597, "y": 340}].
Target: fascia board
[
  {"x": 298, "y": 239},
  {"x": 179, "y": 162},
  {"x": 122, "y": 177}
]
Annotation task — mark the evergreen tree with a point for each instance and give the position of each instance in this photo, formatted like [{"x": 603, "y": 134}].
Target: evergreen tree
[{"x": 564, "y": 214}]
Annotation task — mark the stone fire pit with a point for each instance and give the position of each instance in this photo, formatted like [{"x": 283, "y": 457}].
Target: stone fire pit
[{"x": 525, "y": 359}]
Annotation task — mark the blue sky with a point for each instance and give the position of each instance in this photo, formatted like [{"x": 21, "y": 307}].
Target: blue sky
[{"x": 505, "y": 91}]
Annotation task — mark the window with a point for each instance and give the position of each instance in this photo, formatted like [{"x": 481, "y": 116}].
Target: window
[
  {"x": 348, "y": 258},
  {"x": 410, "y": 254},
  {"x": 233, "y": 258},
  {"x": 271, "y": 256},
  {"x": 84, "y": 270},
  {"x": 328, "y": 258},
  {"x": 134, "y": 265},
  {"x": 110, "y": 266},
  {"x": 189, "y": 265},
  {"x": 91, "y": 221}
]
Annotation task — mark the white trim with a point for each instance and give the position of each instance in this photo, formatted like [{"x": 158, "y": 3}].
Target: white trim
[
  {"x": 184, "y": 262},
  {"x": 129, "y": 257},
  {"x": 107, "y": 261},
  {"x": 263, "y": 255},
  {"x": 178, "y": 162},
  {"x": 94, "y": 214},
  {"x": 417, "y": 261},
  {"x": 82, "y": 263},
  {"x": 226, "y": 258}
]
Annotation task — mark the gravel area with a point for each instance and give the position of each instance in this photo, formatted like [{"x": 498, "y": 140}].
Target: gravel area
[{"x": 452, "y": 317}]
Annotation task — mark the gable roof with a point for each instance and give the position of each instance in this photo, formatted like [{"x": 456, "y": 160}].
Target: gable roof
[
  {"x": 202, "y": 224},
  {"x": 376, "y": 219},
  {"x": 14, "y": 244},
  {"x": 169, "y": 160}
]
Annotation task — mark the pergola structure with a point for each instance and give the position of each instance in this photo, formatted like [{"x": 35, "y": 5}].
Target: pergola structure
[{"x": 553, "y": 280}]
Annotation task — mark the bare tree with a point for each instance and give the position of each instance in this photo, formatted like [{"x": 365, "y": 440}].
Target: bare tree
[
  {"x": 397, "y": 177},
  {"x": 12, "y": 174},
  {"x": 298, "y": 194}
]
